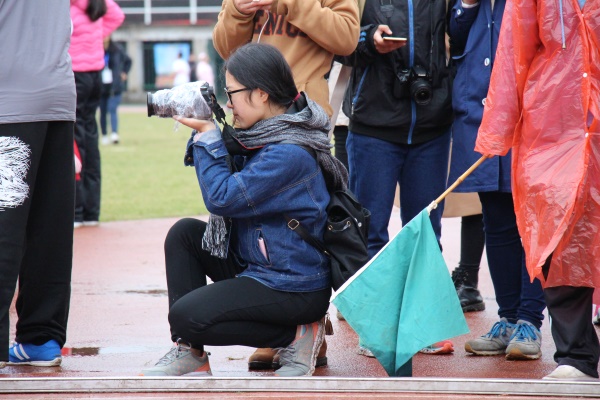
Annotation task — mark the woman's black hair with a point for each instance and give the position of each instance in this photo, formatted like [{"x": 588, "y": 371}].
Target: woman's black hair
[
  {"x": 96, "y": 9},
  {"x": 262, "y": 66}
]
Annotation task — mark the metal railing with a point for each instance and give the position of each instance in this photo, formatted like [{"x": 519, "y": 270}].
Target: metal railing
[{"x": 189, "y": 7}]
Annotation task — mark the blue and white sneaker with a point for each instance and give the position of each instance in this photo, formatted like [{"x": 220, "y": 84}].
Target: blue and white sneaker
[
  {"x": 494, "y": 342},
  {"x": 525, "y": 342},
  {"x": 45, "y": 355}
]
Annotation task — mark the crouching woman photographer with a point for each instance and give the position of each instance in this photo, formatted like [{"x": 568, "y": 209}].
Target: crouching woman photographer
[{"x": 271, "y": 288}]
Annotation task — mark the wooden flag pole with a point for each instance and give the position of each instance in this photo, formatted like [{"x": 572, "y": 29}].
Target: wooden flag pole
[{"x": 460, "y": 179}]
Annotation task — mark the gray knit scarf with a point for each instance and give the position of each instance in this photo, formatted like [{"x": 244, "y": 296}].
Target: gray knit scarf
[{"x": 310, "y": 128}]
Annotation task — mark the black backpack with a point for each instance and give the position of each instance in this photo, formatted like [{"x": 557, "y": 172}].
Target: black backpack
[{"x": 345, "y": 237}]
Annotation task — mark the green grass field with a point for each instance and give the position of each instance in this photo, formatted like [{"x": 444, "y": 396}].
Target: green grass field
[{"x": 143, "y": 176}]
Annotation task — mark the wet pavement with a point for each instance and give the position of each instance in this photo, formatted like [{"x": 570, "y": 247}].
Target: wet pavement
[{"x": 118, "y": 325}]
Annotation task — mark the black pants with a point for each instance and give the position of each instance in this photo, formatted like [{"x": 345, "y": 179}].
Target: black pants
[
  {"x": 472, "y": 242},
  {"x": 230, "y": 311},
  {"x": 89, "y": 89},
  {"x": 36, "y": 236},
  {"x": 574, "y": 335}
]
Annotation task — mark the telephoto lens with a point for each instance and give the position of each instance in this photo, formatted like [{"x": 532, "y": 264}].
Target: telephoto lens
[{"x": 185, "y": 100}]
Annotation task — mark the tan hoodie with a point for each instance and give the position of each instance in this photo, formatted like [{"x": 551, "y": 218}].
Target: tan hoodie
[{"x": 308, "y": 33}]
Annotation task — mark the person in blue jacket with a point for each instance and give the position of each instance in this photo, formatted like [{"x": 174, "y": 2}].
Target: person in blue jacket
[
  {"x": 474, "y": 28},
  {"x": 116, "y": 67},
  {"x": 271, "y": 288}
]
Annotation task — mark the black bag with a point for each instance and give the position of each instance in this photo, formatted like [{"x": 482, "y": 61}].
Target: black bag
[{"x": 345, "y": 237}]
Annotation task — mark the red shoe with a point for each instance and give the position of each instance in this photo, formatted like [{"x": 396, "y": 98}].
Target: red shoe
[{"x": 443, "y": 347}]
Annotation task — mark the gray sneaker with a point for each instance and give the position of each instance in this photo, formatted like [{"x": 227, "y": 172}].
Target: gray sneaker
[
  {"x": 525, "y": 343},
  {"x": 179, "y": 361},
  {"x": 2, "y": 364},
  {"x": 298, "y": 359},
  {"x": 494, "y": 342}
]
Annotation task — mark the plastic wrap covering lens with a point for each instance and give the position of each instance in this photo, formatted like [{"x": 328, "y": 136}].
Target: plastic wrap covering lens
[{"x": 185, "y": 100}]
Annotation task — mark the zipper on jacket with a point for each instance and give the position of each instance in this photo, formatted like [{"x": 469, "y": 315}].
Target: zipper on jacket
[
  {"x": 411, "y": 49},
  {"x": 358, "y": 90}
]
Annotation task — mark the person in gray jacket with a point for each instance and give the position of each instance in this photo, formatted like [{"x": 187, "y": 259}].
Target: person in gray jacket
[{"x": 37, "y": 178}]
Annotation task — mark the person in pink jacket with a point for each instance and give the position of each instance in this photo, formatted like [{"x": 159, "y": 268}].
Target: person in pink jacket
[{"x": 93, "y": 20}]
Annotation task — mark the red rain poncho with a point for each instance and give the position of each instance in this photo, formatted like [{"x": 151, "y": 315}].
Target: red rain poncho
[{"x": 544, "y": 103}]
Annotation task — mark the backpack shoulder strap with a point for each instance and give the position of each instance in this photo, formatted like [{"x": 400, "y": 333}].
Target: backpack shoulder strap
[{"x": 295, "y": 225}]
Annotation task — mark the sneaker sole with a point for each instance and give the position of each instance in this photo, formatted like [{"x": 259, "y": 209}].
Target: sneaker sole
[
  {"x": 447, "y": 349},
  {"x": 469, "y": 349},
  {"x": 319, "y": 336},
  {"x": 474, "y": 307},
  {"x": 321, "y": 362},
  {"x": 516, "y": 354},
  {"x": 52, "y": 363},
  {"x": 577, "y": 379}
]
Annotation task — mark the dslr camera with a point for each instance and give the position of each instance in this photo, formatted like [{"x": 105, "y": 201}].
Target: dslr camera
[
  {"x": 416, "y": 83},
  {"x": 184, "y": 100},
  {"x": 230, "y": 137}
]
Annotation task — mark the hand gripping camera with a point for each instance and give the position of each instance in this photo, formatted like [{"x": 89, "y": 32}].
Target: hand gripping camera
[
  {"x": 232, "y": 142},
  {"x": 416, "y": 83}
]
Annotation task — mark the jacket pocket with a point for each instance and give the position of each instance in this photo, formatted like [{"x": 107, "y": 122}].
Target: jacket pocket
[{"x": 261, "y": 249}]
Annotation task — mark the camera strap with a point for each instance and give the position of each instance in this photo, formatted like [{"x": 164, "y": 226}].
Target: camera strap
[{"x": 233, "y": 145}]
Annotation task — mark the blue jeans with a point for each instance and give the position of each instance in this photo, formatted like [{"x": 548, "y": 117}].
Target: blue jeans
[
  {"x": 109, "y": 104},
  {"x": 376, "y": 166},
  {"x": 516, "y": 296}
]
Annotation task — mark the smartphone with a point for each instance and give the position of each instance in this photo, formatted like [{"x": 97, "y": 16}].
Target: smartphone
[{"x": 395, "y": 39}]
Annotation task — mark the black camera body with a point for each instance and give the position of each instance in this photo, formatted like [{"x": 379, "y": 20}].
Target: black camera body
[
  {"x": 415, "y": 83},
  {"x": 232, "y": 143}
]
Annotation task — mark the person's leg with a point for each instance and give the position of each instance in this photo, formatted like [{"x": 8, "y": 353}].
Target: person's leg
[
  {"x": 20, "y": 152},
  {"x": 83, "y": 86},
  {"x": 243, "y": 311},
  {"x": 504, "y": 252},
  {"x": 45, "y": 278},
  {"x": 187, "y": 268},
  {"x": 577, "y": 346},
  {"x": 103, "y": 114},
  {"x": 91, "y": 175},
  {"x": 340, "y": 134},
  {"x": 188, "y": 265},
  {"x": 424, "y": 178},
  {"x": 374, "y": 172},
  {"x": 572, "y": 330},
  {"x": 466, "y": 275},
  {"x": 506, "y": 262},
  {"x": 113, "y": 105}
]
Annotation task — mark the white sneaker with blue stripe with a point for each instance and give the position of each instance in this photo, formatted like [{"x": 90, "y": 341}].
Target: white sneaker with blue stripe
[{"x": 45, "y": 355}]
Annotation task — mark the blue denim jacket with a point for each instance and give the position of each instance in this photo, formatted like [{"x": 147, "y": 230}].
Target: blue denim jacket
[{"x": 280, "y": 179}]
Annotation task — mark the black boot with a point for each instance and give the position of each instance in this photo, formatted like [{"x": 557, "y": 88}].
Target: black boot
[{"x": 465, "y": 281}]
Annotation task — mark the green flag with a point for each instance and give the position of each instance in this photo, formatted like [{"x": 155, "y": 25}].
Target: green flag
[{"x": 403, "y": 299}]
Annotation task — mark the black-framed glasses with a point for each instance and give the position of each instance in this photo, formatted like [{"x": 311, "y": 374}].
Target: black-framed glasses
[{"x": 230, "y": 92}]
